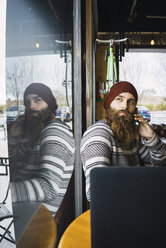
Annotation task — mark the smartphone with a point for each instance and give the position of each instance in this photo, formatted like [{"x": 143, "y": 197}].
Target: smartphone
[{"x": 134, "y": 121}]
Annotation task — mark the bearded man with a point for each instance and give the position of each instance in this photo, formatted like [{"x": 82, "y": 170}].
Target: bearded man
[
  {"x": 123, "y": 138},
  {"x": 41, "y": 151}
]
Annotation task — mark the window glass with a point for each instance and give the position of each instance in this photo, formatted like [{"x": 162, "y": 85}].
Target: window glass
[
  {"x": 147, "y": 71},
  {"x": 5, "y": 196},
  {"x": 38, "y": 50},
  {"x": 49, "y": 69}
]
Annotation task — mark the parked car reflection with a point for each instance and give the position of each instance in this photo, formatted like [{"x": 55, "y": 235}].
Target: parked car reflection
[
  {"x": 58, "y": 113},
  {"x": 63, "y": 113},
  {"x": 145, "y": 112},
  {"x": 66, "y": 114},
  {"x": 12, "y": 112}
]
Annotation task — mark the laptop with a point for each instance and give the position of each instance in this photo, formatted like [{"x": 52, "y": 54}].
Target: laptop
[{"x": 128, "y": 207}]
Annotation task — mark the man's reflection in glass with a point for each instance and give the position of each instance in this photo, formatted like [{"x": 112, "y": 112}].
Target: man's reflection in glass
[{"x": 41, "y": 151}]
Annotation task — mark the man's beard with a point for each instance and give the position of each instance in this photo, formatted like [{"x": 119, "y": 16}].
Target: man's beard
[
  {"x": 122, "y": 126},
  {"x": 35, "y": 122}
]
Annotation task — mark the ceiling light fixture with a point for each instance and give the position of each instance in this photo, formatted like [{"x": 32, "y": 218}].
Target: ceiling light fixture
[
  {"x": 156, "y": 17},
  {"x": 152, "y": 42},
  {"x": 37, "y": 45}
]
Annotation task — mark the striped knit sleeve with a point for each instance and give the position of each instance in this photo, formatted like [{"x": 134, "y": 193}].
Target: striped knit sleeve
[
  {"x": 153, "y": 151},
  {"x": 49, "y": 182},
  {"x": 18, "y": 149},
  {"x": 96, "y": 150}
]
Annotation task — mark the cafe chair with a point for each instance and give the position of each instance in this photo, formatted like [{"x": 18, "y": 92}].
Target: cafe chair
[
  {"x": 6, "y": 214},
  {"x": 41, "y": 230},
  {"x": 4, "y": 163}
]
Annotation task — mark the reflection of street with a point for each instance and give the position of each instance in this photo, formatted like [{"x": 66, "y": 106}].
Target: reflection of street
[
  {"x": 3, "y": 133},
  {"x": 3, "y": 149},
  {"x": 158, "y": 117},
  {"x": 3, "y": 136}
]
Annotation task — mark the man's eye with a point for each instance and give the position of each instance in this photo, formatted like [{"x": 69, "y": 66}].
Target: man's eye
[
  {"x": 118, "y": 99},
  {"x": 38, "y": 99},
  {"x": 131, "y": 102}
]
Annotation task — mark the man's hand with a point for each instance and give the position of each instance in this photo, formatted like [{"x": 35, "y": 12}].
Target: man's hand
[
  {"x": 145, "y": 130},
  {"x": 16, "y": 130}
]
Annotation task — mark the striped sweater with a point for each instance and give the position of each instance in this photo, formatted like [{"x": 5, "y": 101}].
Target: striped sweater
[
  {"x": 99, "y": 147},
  {"x": 42, "y": 174}
]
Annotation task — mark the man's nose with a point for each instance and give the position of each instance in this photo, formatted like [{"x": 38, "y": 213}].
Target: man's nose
[
  {"x": 124, "y": 105},
  {"x": 32, "y": 105}
]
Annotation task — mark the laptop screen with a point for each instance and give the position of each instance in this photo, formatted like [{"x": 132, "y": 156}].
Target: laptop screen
[{"x": 128, "y": 207}]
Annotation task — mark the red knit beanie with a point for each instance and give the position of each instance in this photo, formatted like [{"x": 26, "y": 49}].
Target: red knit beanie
[
  {"x": 44, "y": 92},
  {"x": 118, "y": 88}
]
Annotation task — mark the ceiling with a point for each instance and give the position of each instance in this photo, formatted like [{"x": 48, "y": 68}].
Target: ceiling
[
  {"x": 131, "y": 15},
  {"x": 137, "y": 20},
  {"x": 39, "y": 16},
  {"x": 44, "y": 21},
  {"x": 31, "y": 22},
  {"x": 113, "y": 15}
]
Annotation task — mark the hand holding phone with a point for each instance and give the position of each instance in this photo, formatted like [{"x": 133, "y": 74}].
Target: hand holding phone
[
  {"x": 145, "y": 130},
  {"x": 135, "y": 122}
]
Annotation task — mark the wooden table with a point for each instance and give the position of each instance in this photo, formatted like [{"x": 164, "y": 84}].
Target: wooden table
[
  {"x": 40, "y": 231},
  {"x": 78, "y": 233}
]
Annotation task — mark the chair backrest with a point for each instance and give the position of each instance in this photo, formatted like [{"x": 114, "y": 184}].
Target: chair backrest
[
  {"x": 4, "y": 162},
  {"x": 40, "y": 232}
]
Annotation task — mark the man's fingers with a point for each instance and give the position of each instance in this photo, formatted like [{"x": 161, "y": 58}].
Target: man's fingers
[{"x": 140, "y": 118}]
